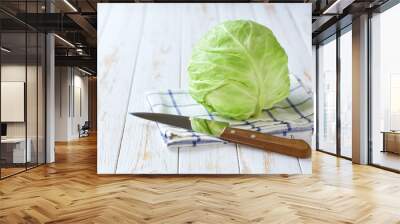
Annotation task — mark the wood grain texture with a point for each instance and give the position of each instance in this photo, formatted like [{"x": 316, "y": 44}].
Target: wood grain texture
[
  {"x": 157, "y": 67},
  {"x": 270, "y": 143},
  {"x": 251, "y": 160},
  {"x": 70, "y": 191},
  {"x": 220, "y": 159},
  {"x": 290, "y": 23},
  {"x": 162, "y": 37},
  {"x": 116, "y": 63}
]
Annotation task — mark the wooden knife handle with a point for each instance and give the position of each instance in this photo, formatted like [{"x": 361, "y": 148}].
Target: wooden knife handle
[{"x": 291, "y": 147}]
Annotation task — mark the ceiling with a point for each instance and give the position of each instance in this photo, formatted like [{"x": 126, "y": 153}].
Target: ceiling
[{"x": 76, "y": 21}]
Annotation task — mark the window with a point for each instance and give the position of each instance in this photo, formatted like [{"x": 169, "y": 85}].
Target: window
[
  {"x": 22, "y": 77},
  {"x": 385, "y": 89},
  {"x": 327, "y": 97},
  {"x": 346, "y": 94},
  {"x": 334, "y": 106}
]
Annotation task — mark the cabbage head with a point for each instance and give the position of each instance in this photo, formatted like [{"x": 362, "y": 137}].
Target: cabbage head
[{"x": 238, "y": 69}]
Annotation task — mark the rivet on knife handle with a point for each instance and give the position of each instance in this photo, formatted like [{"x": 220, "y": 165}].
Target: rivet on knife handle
[{"x": 290, "y": 147}]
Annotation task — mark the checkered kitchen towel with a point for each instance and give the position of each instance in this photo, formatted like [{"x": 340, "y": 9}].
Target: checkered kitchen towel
[{"x": 291, "y": 117}]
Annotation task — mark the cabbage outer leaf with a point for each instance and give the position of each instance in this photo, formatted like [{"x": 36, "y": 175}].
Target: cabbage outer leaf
[
  {"x": 238, "y": 69},
  {"x": 209, "y": 127}
]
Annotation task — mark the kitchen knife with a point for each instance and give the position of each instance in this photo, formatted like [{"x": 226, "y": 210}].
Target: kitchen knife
[{"x": 291, "y": 147}]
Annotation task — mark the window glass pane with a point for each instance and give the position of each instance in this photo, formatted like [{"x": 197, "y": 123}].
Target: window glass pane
[
  {"x": 327, "y": 97},
  {"x": 385, "y": 87},
  {"x": 22, "y": 88},
  {"x": 41, "y": 97},
  {"x": 346, "y": 94},
  {"x": 32, "y": 88},
  {"x": 31, "y": 100},
  {"x": 14, "y": 153}
]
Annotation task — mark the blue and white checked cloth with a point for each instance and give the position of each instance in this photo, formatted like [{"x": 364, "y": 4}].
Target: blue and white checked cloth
[{"x": 292, "y": 117}]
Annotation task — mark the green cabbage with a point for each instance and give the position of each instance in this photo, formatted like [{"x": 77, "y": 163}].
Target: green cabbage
[
  {"x": 238, "y": 69},
  {"x": 210, "y": 127}
]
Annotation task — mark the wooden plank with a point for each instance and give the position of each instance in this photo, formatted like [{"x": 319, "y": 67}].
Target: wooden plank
[
  {"x": 226, "y": 11},
  {"x": 157, "y": 67},
  {"x": 305, "y": 164},
  {"x": 218, "y": 159},
  {"x": 255, "y": 161},
  {"x": 294, "y": 19},
  {"x": 69, "y": 191},
  {"x": 117, "y": 43}
]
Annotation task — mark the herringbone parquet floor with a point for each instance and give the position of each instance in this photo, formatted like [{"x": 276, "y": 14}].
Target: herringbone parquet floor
[{"x": 69, "y": 191}]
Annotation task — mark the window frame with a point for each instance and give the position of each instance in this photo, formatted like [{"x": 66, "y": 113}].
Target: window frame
[{"x": 334, "y": 37}]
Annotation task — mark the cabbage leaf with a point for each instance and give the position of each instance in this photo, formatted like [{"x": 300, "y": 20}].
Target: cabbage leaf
[
  {"x": 238, "y": 69},
  {"x": 210, "y": 127}
]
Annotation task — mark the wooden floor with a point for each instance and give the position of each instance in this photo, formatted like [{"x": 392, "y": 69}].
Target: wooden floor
[
  {"x": 387, "y": 159},
  {"x": 70, "y": 191},
  {"x": 10, "y": 171}
]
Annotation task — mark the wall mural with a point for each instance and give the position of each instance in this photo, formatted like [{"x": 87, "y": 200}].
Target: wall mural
[{"x": 204, "y": 88}]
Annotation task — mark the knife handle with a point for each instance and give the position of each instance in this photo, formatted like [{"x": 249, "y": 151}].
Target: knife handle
[{"x": 291, "y": 147}]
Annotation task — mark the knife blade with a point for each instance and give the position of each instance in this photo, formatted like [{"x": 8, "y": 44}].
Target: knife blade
[{"x": 291, "y": 147}]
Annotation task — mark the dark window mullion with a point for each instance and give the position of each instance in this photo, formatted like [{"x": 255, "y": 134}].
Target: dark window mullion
[
  {"x": 317, "y": 96},
  {"x": 44, "y": 71},
  {"x": 369, "y": 90},
  {"x": 26, "y": 88},
  {"x": 37, "y": 90},
  {"x": 338, "y": 73}
]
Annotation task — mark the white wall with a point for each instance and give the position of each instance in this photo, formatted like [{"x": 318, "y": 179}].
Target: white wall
[
  {"x": 61, "y": 103},
  {"x": 79, "y": 103},
  {"x": 71, "y": 102}
]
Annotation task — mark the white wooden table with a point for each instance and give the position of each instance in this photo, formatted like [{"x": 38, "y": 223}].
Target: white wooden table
[{"x": 143, "y": 47}]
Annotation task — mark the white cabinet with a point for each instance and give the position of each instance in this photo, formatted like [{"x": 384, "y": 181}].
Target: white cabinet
[{"x": 17, "y": 146}]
